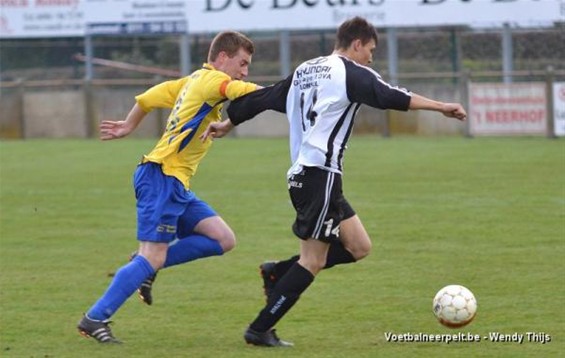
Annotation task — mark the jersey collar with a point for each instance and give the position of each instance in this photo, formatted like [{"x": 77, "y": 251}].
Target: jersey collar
[{"x": 208, "y": 66}]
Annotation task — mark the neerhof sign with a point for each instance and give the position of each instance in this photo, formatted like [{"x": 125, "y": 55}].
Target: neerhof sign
[{"x": 508, "y": 109}]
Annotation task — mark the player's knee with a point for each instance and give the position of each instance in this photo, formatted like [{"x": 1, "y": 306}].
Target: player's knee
[
  {"x": 227, "y": 240},
  {"x": 223, "y": 234},
  {"x": 156, "y": 258},
  {"x": 361, "y": 250},
  {"x": 155, "y": 253},
  {"x": 312, "y": 264},
  {"x": 216, "y": 229}
]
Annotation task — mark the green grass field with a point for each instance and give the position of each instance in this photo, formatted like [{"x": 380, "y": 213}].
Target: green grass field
[{"x": 485, "y": 213}]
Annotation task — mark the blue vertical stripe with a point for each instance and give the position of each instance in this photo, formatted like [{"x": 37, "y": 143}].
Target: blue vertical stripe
[{"x": 193, "y": 124}]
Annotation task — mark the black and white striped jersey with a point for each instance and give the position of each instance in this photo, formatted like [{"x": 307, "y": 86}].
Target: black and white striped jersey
[{"x": 321, "y": 99}]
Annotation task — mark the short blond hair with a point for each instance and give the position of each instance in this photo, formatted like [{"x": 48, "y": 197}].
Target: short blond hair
[{"x": 229, "y": 42}]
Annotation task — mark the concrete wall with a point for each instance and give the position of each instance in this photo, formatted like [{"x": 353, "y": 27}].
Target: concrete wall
[
  {"x": 58, "y": 114},
  {"x": 115, "y": 103},
  {"x": 433, "y": 123},
  {"x": 267, "y": 124},
  {"x": 77, "y": 112},
  {"x": 11, "y": 116}
]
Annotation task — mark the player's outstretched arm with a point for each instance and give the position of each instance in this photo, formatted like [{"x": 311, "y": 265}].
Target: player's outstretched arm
[
  {"x": 119, "y": 129},
  {"x": 217, "y": 130},
  {"x": 451, "y": 110}
]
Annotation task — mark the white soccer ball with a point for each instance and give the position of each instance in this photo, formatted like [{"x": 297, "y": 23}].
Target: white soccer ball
[{"x": 455, "y": 306}]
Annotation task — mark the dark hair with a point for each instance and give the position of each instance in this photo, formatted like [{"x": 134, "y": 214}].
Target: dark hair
[
  {"x": 230, "y": 42},
  {"x": 353, "y": 29}
]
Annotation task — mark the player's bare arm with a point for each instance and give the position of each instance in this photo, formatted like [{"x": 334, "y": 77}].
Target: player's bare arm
[
  {"x": 451, "y": 110},
  {"x": 119, "y": 129}
]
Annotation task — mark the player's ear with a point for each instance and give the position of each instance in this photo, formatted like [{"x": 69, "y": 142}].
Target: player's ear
[
  {"x": 222, "y": 56},
  {"x": 357, "y": 44}
]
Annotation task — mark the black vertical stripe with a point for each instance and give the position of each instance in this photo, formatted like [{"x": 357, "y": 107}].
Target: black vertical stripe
[
  {"x": 331, "y": 139},
  {"x": 347, "y": 135}
]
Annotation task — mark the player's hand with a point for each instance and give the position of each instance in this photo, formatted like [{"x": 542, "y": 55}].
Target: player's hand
[
  {"x": 217, "y": 130},
  {"x": 454, "y": 110},
  {"x": 114, "y": 129}
]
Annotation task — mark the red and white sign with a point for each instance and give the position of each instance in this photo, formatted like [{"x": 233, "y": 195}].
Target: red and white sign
[
  {"x": 41, "y": 18},
  {"x": 508, "y": 109},
  {"x": 559, "y": 109}
]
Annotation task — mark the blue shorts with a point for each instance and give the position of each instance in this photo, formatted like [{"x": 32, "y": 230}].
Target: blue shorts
[{"x": 165, "y": 209}]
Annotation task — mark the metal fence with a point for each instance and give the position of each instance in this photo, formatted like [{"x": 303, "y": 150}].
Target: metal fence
[
  {"x": 46, "y": 74},
  {"x": 419, "y": 50}
]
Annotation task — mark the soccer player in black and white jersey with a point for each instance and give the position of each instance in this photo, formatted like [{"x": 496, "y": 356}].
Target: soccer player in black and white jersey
[{"x": 321, "y": 99}]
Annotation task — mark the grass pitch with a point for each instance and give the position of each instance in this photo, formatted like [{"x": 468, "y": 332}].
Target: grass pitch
[{"x": 485, "y": 213}]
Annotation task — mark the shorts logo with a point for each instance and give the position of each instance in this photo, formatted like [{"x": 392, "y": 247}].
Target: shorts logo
[
  {"x": 169, "y": 229},
  {"x": 294, "y": 184}
]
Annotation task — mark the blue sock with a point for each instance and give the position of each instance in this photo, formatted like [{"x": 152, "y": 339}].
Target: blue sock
[
  {"x": 127, "y": 279},
  {"x": 191, "y": 248}
]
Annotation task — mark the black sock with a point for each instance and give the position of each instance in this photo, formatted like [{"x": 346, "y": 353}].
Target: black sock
[
  {"x": 286, "y": 293},
  {"x": 337, "y": 254},
  {"x": 282, "y": 267}
]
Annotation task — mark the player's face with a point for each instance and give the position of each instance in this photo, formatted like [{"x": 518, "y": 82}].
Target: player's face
[
  {"x": 237, "y": 67},
  {"x": 364, "y": 53}
]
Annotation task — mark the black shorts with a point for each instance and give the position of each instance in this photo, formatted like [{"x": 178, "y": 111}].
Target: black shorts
[{"x": 320, "y": 206}]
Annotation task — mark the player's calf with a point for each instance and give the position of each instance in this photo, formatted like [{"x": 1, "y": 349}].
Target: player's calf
[{"x": 144, "y": 291}]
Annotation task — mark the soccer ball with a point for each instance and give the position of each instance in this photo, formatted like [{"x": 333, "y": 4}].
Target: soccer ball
[{"x": 454, "y": 306}]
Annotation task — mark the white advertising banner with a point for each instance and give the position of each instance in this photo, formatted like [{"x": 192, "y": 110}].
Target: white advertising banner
[
  {"x": 135, "y": 17},
  {"x": 559, "y": 109},
  {"x": 508, "y": 109},
  {"x": 58, "y": 18},
  {"x": 216, "y": 15}
]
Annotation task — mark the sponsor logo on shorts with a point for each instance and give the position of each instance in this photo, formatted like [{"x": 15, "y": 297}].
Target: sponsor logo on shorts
[
  {"x": 294, "y": 184},
  {"x": 169, "y": 229}
]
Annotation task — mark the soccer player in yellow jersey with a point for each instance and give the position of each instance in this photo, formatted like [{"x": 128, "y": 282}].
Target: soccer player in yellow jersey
[{"x": 167, "y": 209}]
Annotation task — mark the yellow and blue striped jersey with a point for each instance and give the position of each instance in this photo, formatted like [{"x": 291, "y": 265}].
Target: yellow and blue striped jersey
[{"x": 196, "y": 101}]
